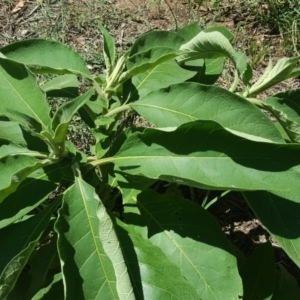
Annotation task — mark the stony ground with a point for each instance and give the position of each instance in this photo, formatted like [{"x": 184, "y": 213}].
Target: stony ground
[{"x": 74, "y": 22}]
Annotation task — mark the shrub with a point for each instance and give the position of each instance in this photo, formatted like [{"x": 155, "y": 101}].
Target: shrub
[{"x": 108, "y": 233}]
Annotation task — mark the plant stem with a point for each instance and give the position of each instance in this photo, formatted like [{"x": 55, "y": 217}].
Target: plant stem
[
  {"x": 117, "y": 110},
  {"x": 205, "y": 198},
  {"x": 235, "y": 82},
  {"x": 216, "y": 199}
]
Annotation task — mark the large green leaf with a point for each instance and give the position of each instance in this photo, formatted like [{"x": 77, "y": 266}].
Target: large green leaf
[
  {"x": 20, "y": 92},
  {"x": 153, "y": 275},
  {"x": 14, "y": 169},
  {"x": 279, "y": 213},
  {"x": 43, "y": 181},
  {"x": 191, "y": 238},
  {"x": 62, "y": 86},
  {"x": 281, "y": 71},
  {"x": 258, "y": 273},
  {"x": 87, "y": 271},
  {"x": 112, "y": 248},
  {"x": 186, "y": 102},
  {"x": 46, "y": 56},
  {"x": 286, "y": 108},
  {"x": 18, "y": 241},
  {"x": 203, "y": 154}
]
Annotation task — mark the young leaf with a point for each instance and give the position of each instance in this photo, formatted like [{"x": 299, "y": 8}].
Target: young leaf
[
  {"x": 144, "y": 61},
  {"x": 154, "y": 276},
  {"x": 14, "y": 169},
  {"x": 282, "y": 70},
  {"x": 62, "y": 86},
  {"x": 279, "y": 213},
  {"x": 87, "y": 271},
  {"x": 43, "y": 181},
  {"x": 21, "y": 93},
  {"x": 216, "y": 159},
  {"x": 109, "y": 50},
  {"x": 191, "y": 238},
  {"x": 189, "y": 31},
  {"x": 212, "y": 45},
  {"x": 258, "y": 274},
  {"x": 46, "y": 56},
  {"x": 158, "y": 77},
  {"x": 286, "y": 108},
  {"x": 65, "y": 113},
  {"x": 19, "y": 240},
  {"x": 186, "y": 102},
  {"x": 156, "y": 39}
]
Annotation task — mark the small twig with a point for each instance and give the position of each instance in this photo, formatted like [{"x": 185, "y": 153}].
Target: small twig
[{"x": 173, "y": 15}]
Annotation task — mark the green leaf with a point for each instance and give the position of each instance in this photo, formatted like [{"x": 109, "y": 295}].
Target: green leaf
[
  {"x": 40, "y": 263},
  {"x": 279, "y": 213},
  {"x": 212, "y": 45},
  {"x": 65, "y": 113},
  {"x": 46, "y": 56},
  {"x": 19, "y": 240},
  {"x": 156, "y": 39},
  {"x": 258, "y": 273},
  {"x": 14, "y": 169},
  {"x": 87, "y": 271},
  {"x": 286, "y": 108},
  {"x": 216, "y": 159},
  {"x": 21, "y": 93},
  {"x": 109, "y": 50},
  {"x": 13, "y": 149},
  {"x": 208, "y": 70},
  {"x": 12, "y": 132},
  {"x": 154, "y": 276},
  {"x": 189, "y": 31},
  {"x": 186, "y": 102},
  {"x": 281, "y": 71},
  {"x": 54, "y": 290},
  {"x": 158, "y": 77},
  {"x": 112, "y": 248},
  {"x": 191, "y": 238},
  {"x": 286, "y": 286},
  {"x": 62, "y": 86},
  {"x": 43, "y": 181},
  {"x": 144, "y": 61}
]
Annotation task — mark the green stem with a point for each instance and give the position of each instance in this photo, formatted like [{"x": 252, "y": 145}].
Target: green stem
[
  {"x": 216, "y": 199},
  {"x": 235, "y": 82},
  {"x": 117, "y": 110},
  {"x": 205, "y": 198},
  {"x": 256, "y": 102}
]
